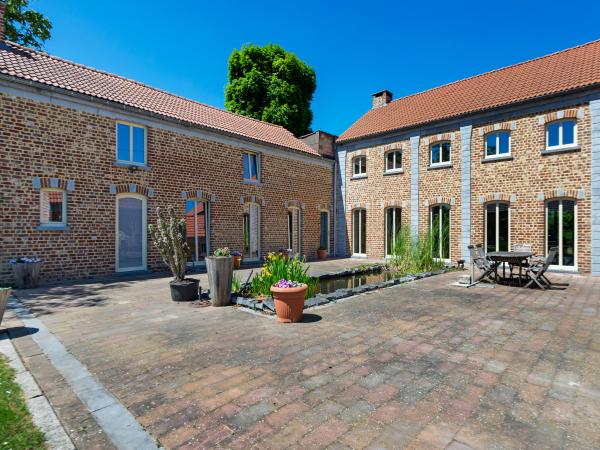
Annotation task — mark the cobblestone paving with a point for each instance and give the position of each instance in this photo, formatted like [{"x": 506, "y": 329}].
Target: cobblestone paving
[{"x": 422, "y": 365}]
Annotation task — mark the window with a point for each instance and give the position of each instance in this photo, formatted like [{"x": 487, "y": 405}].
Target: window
[
  {"x": 196, "y": 229},
  {"x": 359, "y": 232},
  {"x": 53, "y": 208},
  {"x": 294, "y": 230},
  {"x": 562, "y": 133},
  {"x": 324, "y": 230},
  {"x": 439, "y": 222},
  {"x": 497, "y": 144},
  {"x": 497, "y": 227},
  {"x": 393, "y": 220},
  {"x": 561, "y": 231},
  {"x": 440, "y": 153},
  {"x": 251, "y": 167},
  {"x": 290, "y": 229},
  {"x": 131, "y": 144},
  {"x": 251, "y": 227},
  {"x": 131, "y": 232},
  {"x": 393, "y": 161},
  {"x": 359, "y": 166}
]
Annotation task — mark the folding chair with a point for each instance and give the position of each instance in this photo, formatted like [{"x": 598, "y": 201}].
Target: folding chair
[
  {"x": 485, "y": 265},
  {"x": 536, "y": 270}
]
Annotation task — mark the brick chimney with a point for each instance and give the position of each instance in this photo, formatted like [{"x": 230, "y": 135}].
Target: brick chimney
[
  {"x": 381, "y": 98},
  {"x": 2, "y": 24}
]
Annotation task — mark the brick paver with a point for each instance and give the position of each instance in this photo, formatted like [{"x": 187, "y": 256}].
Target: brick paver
[{"x": 423, "y": 365}]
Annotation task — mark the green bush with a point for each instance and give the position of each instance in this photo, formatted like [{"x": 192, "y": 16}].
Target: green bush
[
  {"x": 411, "y": 254},
  {"x": 277, "y": 267}
]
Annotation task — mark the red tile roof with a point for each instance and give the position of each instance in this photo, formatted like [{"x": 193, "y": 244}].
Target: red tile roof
[
  {"x": 28, "y": 64},
  {"x": 558, "y": 73}
]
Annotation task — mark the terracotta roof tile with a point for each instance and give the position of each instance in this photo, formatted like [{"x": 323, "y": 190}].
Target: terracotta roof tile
[
  {"x": 28, "y": 64},
  {"x": 560, "y": 72}
]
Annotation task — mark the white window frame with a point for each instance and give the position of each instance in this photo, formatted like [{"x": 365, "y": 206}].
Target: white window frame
[
  {"x": 560, "y": 134},
  {"x": 363, "y": 211},
  {"x": 131, "y": 126},
  {"x": 497, "y": 227},
  {"x": 385, "y": 161},
  {"x": 560, "y": 266},
  {"x": 257, "y": 157},
  {"x": 385, "y": 226},
  {"x": 321, "y": 211},
  {"x": 195, "y": 262},
  {"x": 144, "y": 200},
  {"x": 50, "y": 224},
  {"x": 296, "y": 213},
  {"x": 259, "y": 237},
  {"x": 441, "y": 163},
  {"x": 449, "y": 259},
  {"x": 361, "y": 174},
  {"x": 497, "y": 154}
]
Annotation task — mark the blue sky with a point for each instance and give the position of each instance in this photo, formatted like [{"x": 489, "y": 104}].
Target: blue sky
[{"x": 356, "y": 48}]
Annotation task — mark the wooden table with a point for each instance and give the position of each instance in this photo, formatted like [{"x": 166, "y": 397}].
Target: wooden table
[{"x": 514, "y": 258}]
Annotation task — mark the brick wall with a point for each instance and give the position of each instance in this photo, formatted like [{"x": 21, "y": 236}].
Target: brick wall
[
  {"x": 49, "y": 141},
  {"x": 526, "y": 182}
]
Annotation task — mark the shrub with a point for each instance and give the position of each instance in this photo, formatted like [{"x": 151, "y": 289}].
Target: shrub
[
  {"x": 168, "y": 236},
  {"x": 411, "y": 254},
  {"x": 223, "y": 251},
  {"x": 277, "y": 267}
]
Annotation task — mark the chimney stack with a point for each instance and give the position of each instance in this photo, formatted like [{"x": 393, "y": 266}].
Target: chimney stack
[
  {"x": 2, "y": 18},
  {"x": 381, "y": 98}
]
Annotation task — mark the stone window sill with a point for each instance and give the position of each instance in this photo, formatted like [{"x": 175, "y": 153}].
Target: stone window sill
[
  {"x": 131, "y": 166},
  {"x": 358, "y": 177},
  {"x": 53, "y": 227},
  {"x": 566, "y": 149},
  {"x": 254, "y": 182},
  {"x": 393, "y": 172},
  {"x": 440, "y": 166},
  {"x": 491, "y": 159}
]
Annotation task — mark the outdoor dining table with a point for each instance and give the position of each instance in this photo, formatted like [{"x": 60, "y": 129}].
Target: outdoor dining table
[{"x": 512, "y": 258}]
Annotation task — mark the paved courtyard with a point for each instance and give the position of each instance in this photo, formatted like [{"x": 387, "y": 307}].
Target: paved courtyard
[{"x": 421, "y": 365}]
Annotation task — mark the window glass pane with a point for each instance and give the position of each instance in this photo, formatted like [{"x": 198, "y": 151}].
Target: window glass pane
[
  {"x": 490, "y": 229},
  {"x": 254, "y": 167},
  {"x": 435, "y": 230},
  {"x": 324, "y": 236},
  {"x": 389, "y": 230},
  {"x": 568, "y": 233},
  {"x": 139, "y": 143},
  {"x": 131, "y": 253},
  {"x": 490, "y": 144},
  {"x": 446, "y": 152},
  {"x": 389, "y": 161},
  {"x": 503, "y": 227},
  {"x": 363, "y": 165},
  {"x": 355, "y": 231},
  {"x": 52, "y": 207},
  {"x": 552, "y": 227},
  {"x": 568, "y": 132},
  {"x": 201, "y": 220},
  {"x": 435, "y": 154},
  {"x": 123, "y": 142},
  {"x": 246, "y": 166},
  {"x": 190, "y": 228},
  {"x": 445, "y": 214},
  {"x": 553, "y": 134},
  {"x": 290, "y": 230},
  {"x": 504, "y": 141},
  {"x": 363, "y": 231}
]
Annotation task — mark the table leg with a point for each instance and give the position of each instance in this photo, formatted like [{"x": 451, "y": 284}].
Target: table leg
[{"x": 520, "y": 272}]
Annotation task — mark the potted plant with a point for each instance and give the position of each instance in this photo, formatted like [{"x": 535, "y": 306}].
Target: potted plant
[
  {"x": 237, "y": 259},
  {"x": 322, "y": 252},
  {"x": 26, "y": 271},
  {"x": 220, "y": 274},
  {"x": 4, "y": 293},
  {"x": 169, "y": 238},
  {"x": 288, "y": 297}
]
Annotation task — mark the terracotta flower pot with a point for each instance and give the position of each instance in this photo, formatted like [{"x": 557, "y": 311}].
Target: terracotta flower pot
[
  {"x": 321, "y": 254},
  {"x": 237, "y": 262},
  {"x": 289, "y": 303}
]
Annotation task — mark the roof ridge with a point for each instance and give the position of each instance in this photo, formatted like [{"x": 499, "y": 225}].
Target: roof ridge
[
  {"x": 103, "y": 72},
  {"x": 495, "y": 70}
]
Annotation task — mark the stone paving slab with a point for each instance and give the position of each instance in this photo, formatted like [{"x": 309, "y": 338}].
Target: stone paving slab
[{"x": 422, "y": 365}]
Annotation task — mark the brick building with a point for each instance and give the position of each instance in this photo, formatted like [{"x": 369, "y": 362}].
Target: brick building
[
  {"x": 87, "y": 156},
  {"x": 510, "y": 156}
]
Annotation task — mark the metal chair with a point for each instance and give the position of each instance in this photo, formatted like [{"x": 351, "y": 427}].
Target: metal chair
[
  {"x": 485, "y": 265},
  {"x": 536, "y": 270}
]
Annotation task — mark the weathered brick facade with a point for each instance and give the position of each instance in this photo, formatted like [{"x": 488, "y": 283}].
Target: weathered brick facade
[
  {"x": 42, "y": 141},
  {"x": 525, "y": 180}
]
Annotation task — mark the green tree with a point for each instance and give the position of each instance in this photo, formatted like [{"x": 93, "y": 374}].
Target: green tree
[
  {"x": 271, "y": 84},
  {"x": 26, "y": 26}
]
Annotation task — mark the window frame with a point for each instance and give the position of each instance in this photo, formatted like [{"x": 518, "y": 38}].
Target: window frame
[
  {"x": 440, "y": 163},
  {"x": 294, "y": 217},
  {"x": 560, "y": 256},
  {"x": 144, "y": 239},
  {"x": 251, "y": 154},
  {"x": 246, "y": 217},
  {"x": 326, "y": 212},
  {"x": 361, "y": 174},
  {"x": 385, "y": 227},
  {"x": 561, "y": 145},
  {"x": 50, "y": 224},
  {"x": 130, "y": 161},
  {"x": 441, "y": 225},
  {"x": 497, "y": 155},
  {"x": 385, "y": 161},
  {"x": 497, "y": 204},
  {"x": 360, "y": 211},
  {"x": 195, "y": 261}
]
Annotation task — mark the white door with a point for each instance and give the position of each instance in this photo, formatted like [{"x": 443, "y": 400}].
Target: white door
[{"x": 131, "y": 233}]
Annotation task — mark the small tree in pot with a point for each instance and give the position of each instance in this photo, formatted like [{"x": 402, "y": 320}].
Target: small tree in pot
[
  {"x": 169, "y": 238},
  {"x": 220, "y": 274}
]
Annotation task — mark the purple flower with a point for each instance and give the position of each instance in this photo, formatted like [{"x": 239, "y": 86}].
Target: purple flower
[
  {"x": 283, "y": 283},
  {"x": 235, "y": 253}
]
